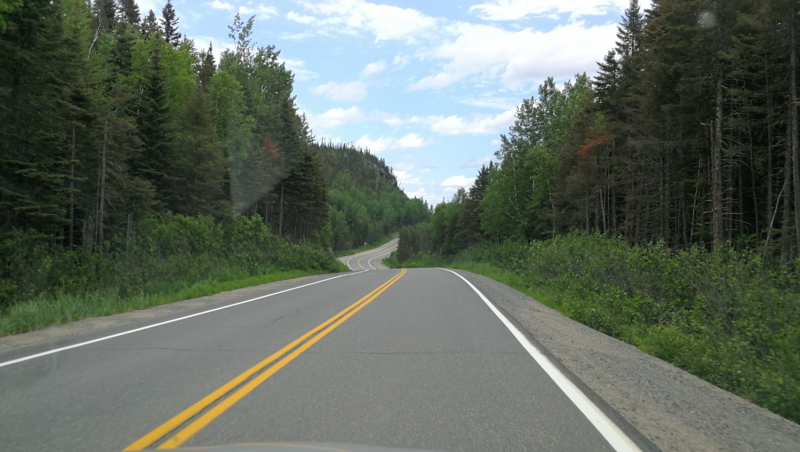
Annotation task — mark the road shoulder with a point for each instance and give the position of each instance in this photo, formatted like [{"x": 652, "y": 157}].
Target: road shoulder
[
  {"x": 674, "y": 409},
  {"x": 89, "y": 327}
]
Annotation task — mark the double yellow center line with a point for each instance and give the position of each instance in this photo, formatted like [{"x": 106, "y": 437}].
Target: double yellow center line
[{"x": 286, "y": 355}]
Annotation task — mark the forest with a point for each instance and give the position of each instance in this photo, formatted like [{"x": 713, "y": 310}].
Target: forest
[
  {"x": 658, "y": 201},
  {"x": 134, "y": 166}
]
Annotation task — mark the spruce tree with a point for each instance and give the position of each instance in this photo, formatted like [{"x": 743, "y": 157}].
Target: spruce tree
[
  {"x": 607, "y": 79},
  {"x": 207, "y": 68},
  {"x": 106, "y": 13},
  {"x": 169, "y": 23},
  {"x": 153, "y": 164},
  {"x": 130, "y": 13},
  {"x": 629, "y": 31},
  {"x": 150, "y": 25},
  {"x": 39, "y": 69}
]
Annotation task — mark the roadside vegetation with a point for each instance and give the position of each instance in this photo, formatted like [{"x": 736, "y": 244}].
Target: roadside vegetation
[
  {"x": 658, "y": 202},
  {"x": 729, "y": 317},
  {"x": 170, "y": 258},
  {"x": 136, "y": 169}
]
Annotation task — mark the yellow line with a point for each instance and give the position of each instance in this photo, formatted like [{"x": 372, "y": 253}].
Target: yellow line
[
  {"x": 220, "y": 408},
  {"x": 185, "y": 415},
  {"x": 359, "y": 263}
]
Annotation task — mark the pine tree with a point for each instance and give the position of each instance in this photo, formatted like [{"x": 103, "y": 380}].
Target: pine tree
[
  {"x": 39, "y": 72},
  {"x": 150, "y": 26},
  {"x": 106, "y": 14},
  {"x": 130, "y": 13},
  {"x": 629, "y": 31},
  {"x": 607, "y": 79},
  {"x": 169, "y": 23},
  {"x": 153, "y": 120},
  {"x": 207, "y": 68}
]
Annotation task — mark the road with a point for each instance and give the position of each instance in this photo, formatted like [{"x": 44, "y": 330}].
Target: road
[
  {"x": 412, "y": 359},
  {"x": 370, "y": 260}
]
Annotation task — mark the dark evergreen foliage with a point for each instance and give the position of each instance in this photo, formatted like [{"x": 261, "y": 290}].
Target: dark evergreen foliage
[{"x": 169, "y": 25}]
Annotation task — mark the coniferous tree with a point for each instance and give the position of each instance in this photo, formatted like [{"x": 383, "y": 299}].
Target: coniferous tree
[
  {"x": 106, "y": 14},
  {"x": 153, "y": 121},
  {"x": 150, "y": 25},
  {"x": 207, "y": 68},
  {"x": 629, "y": 31},
  {"x": 130, "y": 13},
  {"x": 169, "y": 24},
  {"x": 39, "y": 70}
]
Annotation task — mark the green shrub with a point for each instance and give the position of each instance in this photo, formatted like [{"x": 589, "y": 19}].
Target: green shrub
[{"x": 167, "y": 250}]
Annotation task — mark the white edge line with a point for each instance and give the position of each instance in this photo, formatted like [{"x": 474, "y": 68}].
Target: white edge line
[
  {"x": 367, "y": 252},
  {"x": 81, "y": 344},
  {"x": 615, "y": 437},
  {"x": 369, "y": 262}
]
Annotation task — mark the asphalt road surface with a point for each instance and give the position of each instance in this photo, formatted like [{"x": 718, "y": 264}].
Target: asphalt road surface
[
  {"x": 370, "y": 260},
  {"x": 413, "y": 359}
]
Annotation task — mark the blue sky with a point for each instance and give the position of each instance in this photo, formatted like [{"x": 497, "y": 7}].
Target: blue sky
[{"x": 427, "y": 85}]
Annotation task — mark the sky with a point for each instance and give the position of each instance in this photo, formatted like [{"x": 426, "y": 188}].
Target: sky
[{"x": 428, "y": 86}]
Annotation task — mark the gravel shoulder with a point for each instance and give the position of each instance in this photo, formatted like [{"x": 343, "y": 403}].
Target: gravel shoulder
[{"x": 674, "y": 409}]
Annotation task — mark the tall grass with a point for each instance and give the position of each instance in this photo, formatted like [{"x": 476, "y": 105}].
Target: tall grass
[{"x": 170, "y": 258}]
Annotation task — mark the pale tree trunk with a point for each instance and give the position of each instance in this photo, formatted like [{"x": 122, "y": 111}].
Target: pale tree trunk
[
  {"x": 102, "y": 206},
  {"x": 716, "y": 170},
  {"x": 280, "y": 216},
  {"x": 72, "y": 190}
]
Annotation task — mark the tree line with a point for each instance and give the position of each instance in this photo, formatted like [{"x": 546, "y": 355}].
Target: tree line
[
  {"x": 365, "y": 202},
  {"x": 108, "y": 117},
  {"x": 688, "y": 134}
]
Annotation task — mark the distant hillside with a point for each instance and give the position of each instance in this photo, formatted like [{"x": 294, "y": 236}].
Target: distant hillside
[{"x": 365, "y": 202}]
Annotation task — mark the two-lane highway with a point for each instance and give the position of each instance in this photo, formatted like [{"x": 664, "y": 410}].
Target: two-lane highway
[
  {"x": 370, "y": 260},
  {"x": 414, "y": 359}
]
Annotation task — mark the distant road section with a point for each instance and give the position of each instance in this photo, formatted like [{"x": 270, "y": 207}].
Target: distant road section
[{"x": 370, "y": 260}]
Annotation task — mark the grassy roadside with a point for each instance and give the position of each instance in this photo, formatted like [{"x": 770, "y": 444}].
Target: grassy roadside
[
  {"x": 729, "y": 317},
  {"x": 382, "y": 241},
  {"x": 61, "y": 309}
]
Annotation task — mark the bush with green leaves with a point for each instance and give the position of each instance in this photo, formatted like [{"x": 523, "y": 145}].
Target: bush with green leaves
[{"x": 164, "y": 249}]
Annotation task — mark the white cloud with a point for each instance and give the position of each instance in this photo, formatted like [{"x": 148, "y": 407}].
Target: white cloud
[
  {"x": 338, "y": 116},
  {"x": 520, "y": 9},
  {"x": 394, "y": 121},
  {"x": 458, "y": 181},
  {"x": 478, "y": 125},
  {"x": 412, "y": 140},
  {"x": 342, "y": 92},
  {"x": 517, "y": 56},
  {"x": 202, "y": 42},
  {"x": 476, "y": 163},
  {"x": 419, "y": 193},
  {"x": 375, "y": 146},
  {"x": 406, "y": 179},
  {"x": 385, "y": 22},
  {"x": 216, "y": 4},
  {"x": 373, "y": 68},
  {"x": 400, "y": 60},
  {"x": 502, "y": 103},
  {"x": 263, "y": 10},
  {"x": 425, "y": 171},
  {"x": 297, "y": 67}
]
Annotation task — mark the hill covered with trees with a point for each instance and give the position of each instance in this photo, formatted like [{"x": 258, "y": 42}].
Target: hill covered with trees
[
  {"x": 658, "y": 202},
  {"x": 133, "y": 164}
]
